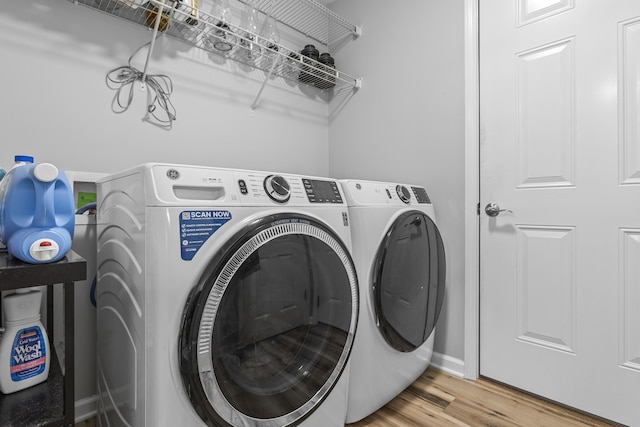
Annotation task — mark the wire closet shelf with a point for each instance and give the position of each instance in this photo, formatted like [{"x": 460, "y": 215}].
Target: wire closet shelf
[
  {"x": 308, "y": 17},
  {"x": 207, "y": 32}
]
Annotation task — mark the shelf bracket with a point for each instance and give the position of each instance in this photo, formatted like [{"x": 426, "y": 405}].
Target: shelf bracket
[
  {"x": 274, "y": 62},
  {"x": 154, "y": 36}
]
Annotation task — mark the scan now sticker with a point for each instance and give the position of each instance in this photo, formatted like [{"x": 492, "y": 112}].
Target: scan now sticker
[{"x": 196, "y": 226}]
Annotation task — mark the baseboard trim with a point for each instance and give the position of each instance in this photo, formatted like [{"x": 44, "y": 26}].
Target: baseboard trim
[
  {"x": 448, "y": 364},
  {"x": 86, "y": 408}
]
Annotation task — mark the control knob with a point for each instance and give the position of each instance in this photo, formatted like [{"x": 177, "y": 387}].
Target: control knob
[
  {"x": 277, "y": 188},
  {"x": 403, "y": 193}
]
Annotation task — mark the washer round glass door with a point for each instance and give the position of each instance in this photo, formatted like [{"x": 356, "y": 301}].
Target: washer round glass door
[
  {"x": 408, "y": 281},
  {"x": 268, "y": 330}
]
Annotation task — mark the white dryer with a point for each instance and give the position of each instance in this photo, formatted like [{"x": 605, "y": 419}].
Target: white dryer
[
  {"x": 400, "y": 262},
  {"x": 224, "y": 298}
]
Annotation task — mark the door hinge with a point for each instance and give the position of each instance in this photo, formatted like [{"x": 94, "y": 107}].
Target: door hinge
[{"x": 478, "y": 209}]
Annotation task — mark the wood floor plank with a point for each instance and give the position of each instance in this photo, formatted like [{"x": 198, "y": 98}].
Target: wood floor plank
[
  {"x": 418, "y": 410},
  {"x": 425, "y": 389},
  {"x": 474, "y": 415},
  {"x": 405, "y": 413}
]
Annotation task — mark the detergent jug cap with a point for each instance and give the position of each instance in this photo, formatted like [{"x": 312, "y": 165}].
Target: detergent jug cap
[
  {"x": 20, "y": 158},
  {"x": 45, "y": 172}
]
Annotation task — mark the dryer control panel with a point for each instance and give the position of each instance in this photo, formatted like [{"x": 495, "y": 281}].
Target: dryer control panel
[
  {"x": 421, "y": 194},
  {"x": 374, "y": 193}
]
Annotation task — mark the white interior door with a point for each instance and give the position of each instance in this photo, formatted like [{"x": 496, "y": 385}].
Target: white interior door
[{"x": 560, "y": 148}]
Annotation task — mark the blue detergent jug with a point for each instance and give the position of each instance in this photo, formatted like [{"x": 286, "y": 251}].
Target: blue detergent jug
[{"x": 37, "y": 215}]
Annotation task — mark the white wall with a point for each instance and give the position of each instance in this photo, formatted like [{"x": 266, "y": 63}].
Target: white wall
[{"x": 407, "y": 122}]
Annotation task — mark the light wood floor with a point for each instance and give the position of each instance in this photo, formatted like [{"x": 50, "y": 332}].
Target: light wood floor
[{"x": 439, "y": 399}]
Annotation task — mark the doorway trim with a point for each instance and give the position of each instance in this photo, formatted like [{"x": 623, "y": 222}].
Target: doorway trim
[{"x": 472, "y": 192}]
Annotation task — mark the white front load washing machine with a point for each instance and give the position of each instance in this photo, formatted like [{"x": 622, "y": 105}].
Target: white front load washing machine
[
  {"x": 224, "y": 298},
  {"x": 400, "y": 262}
]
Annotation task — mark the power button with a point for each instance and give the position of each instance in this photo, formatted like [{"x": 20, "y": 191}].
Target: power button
[{"x": 243, "y": 186}]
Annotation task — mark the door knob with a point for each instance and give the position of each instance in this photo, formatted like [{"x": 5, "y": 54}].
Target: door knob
[{"x": 493, "y": 209}]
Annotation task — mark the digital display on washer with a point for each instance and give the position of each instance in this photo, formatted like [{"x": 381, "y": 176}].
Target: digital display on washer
[
  {"x": 319, "y": 191},
  {"x": 421, "y": 194}
]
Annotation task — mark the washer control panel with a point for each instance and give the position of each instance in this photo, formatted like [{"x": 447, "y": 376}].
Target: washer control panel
[
  {"x": 205, "y": 186},
  {"x": 321, "y": 191}
]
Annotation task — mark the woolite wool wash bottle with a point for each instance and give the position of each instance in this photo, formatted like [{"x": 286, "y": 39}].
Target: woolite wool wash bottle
[{"x": 24, "y": 347}]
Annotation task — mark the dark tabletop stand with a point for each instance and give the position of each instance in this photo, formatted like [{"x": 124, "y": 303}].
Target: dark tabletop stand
[{"x": 51, "y": 403}]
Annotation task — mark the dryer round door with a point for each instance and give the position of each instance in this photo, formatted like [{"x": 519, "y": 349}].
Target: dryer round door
[
  {"x": 268, "y": 330},
  {"x": 408, "y": 281}
]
